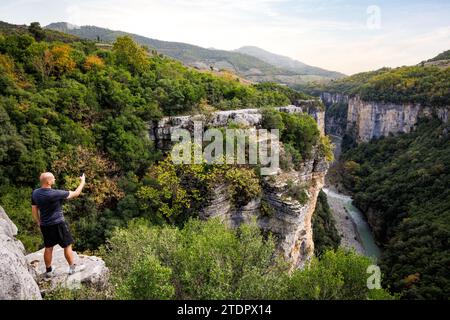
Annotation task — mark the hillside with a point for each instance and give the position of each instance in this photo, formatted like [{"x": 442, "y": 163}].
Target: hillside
[
  {"x": 442, "y": 60},
  {"x": 244, "y": 65},
  {"x": 442, "y": 56},
  {"x": 403, "y": 185},
  {"x": 48, "y": 35},
  {"x": 287, "y": 63},
  {"x": 428, "y": 85}
]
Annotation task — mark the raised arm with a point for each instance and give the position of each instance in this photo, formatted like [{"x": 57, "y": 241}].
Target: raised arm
[
  {"x": 36, "y": 215},
  {"x": 77, "y": 192}
]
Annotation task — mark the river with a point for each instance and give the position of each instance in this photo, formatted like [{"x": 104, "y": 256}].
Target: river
[
  {"x": 350, "y": 222},
  {"x": 357, "y": 229}
]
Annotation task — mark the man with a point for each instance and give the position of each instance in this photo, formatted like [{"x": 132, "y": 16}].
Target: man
[{"x": 46, "y": 207}]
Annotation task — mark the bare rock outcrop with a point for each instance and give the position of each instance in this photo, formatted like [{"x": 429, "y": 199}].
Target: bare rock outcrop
[
  {"x": 22, "y": 276},
  {"x": 95, "y": 272},
  {"x": 16, "y": 281}
]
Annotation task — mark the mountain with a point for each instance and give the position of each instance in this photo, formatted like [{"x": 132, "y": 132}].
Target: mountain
[
  {"x": 288, "y": 63},
  {"x": 243, "y": 64},
  {"x": 47, "y": 34}
]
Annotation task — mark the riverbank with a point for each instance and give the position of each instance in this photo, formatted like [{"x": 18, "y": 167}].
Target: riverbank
[
  {"x": 350, "y": 223},
  {"x": 344, "y": 223}
]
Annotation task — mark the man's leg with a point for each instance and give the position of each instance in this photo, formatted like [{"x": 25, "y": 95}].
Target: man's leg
[
  {"x": 48, "y": 254},
  {"x": 68, "y": 253}
]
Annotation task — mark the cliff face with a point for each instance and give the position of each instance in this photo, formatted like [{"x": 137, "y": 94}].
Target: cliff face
[
  {"x": 329, "y": 99},
  {"x": 336, "y": 113},
  {"x": 160, "y": 132},
  {"x": 275, "y": 211},
  {"x": 370, "y": 120},
  {"x": 367, "y": 120}
]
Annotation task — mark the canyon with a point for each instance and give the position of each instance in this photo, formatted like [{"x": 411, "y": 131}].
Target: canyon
[{"x": 274, "y": 210}]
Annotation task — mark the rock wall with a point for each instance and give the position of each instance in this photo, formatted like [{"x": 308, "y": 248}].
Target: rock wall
[
  {"x": 336, "y": 113},
  {"x": 16, "y": 280},
  {"x": 329, "y": 98},
  {"x": 160, "y": 132},
  {"x": 370, "y": 120},
  {"x": 288, "y": 220}
]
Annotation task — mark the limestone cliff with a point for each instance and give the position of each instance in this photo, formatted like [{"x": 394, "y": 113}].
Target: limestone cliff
[
  {"x": 275, "y": 210},
  {"x": 330, "y": 98},
  {"x": 368, "y": 120},
  {"x": 335, "y": 113},
  {"x": 160, "y": 131}
]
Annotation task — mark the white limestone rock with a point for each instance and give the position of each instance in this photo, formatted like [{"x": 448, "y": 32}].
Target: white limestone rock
[{"x": 16, "y": 281}]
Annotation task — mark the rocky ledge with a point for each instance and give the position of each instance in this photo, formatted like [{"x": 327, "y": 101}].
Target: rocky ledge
[
  {"x": 160, "y": 132},
  {"x": 95, "y": 272},
  {"x": 21, "y": 276}
]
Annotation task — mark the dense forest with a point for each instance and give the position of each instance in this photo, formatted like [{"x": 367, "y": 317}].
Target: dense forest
[
  {"x": 326, "y": 236},
  {"x": 403, "y": 185}
]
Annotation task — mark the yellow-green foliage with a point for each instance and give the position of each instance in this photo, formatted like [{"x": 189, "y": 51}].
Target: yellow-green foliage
[
  {"x": 326, "y": 148},
  {"x": 173, "y": 191},
  {"x": 130, "y": 54}
]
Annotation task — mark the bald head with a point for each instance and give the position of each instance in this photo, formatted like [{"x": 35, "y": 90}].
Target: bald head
[{"x": 47, "y": 179}]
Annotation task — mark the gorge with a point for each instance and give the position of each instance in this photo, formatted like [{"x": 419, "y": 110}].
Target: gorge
[
  {"x": 213, "y": 231},
  {"x": 289, "y": 220}
]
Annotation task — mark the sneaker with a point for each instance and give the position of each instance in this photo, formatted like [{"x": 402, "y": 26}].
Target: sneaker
[
  {"x": 76, "y": 268},
  {"x": 49, "y": 274}
]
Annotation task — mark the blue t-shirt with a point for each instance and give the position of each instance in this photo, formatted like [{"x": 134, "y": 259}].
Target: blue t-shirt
[{"x": 49, "y": 202}]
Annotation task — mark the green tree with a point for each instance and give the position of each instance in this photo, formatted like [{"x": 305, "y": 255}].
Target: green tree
[
  {"x": 36, "y": 30},
  {"x": 130, "y": 55}
]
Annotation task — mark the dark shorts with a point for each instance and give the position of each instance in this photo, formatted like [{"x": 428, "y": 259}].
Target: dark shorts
[{"x": 57, "y": 234}]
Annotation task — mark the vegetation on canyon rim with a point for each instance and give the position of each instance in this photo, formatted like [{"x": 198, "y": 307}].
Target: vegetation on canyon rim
[
  {"x": 401, "y": 182},
  {"x": 207, "y": 260},
  {"x": 429, "y": 85}
]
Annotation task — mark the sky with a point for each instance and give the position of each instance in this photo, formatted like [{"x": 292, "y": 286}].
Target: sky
[{"x": 347, "y": 36}]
